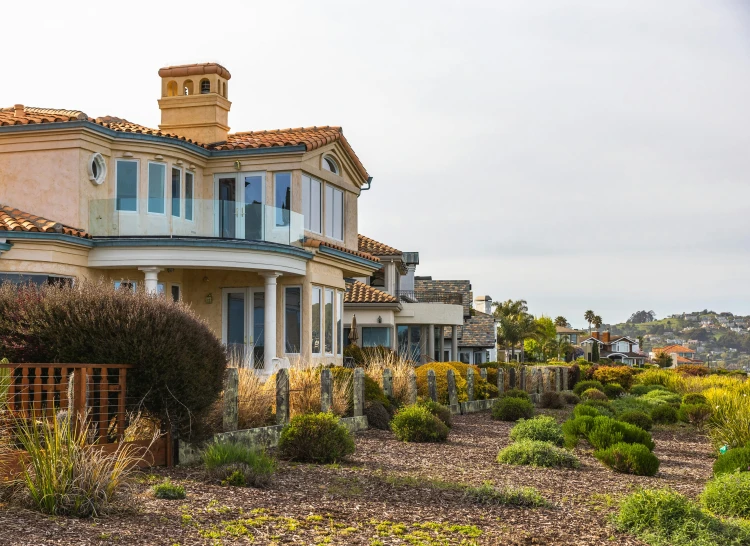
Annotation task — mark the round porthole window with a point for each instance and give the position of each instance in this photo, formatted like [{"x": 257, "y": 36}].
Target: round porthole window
[{"x": 97, "y": 169}]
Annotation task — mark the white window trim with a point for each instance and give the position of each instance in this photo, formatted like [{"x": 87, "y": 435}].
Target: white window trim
[
  {"x": 179, "y": 286},
  {"x": 184, "y": 195},
  {"x": 335, "y": 161},
  {"x": 134, "y": 283},
  {"x": 322, "y": 198},
  {"x": 148, "y": 188},
  {"x": 340, "y": 329},
  {"x": 137, "y": 185},
  {"x": 301, "y": 316},
  {"x": 182, "y": 192},
  {"x": 326, "y": 290},
  {"x": 322, "y": 323}
]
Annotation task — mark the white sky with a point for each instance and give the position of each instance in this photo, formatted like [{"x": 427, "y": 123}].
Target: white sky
[{"x": 577, "y": 154}]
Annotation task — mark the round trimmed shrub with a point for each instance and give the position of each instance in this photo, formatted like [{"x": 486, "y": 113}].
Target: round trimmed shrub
[
  {"x": 694, "y": 398},
  {"x": 728, "y": 495},
  {"x": 664, "y": 414},
  {"x": 316, "y": 438},
  {"x": 438, "y": 410},
  {"x": 512, "y": 409},
  {"x": 551, "y": 400},
  {"x": 695, "y": 414},
  {"x": 737, "y": 459},
  {"x": 662, "y": 397},
  {"x": 416, "y": 424},
  {"x": 638, "y": 418},
  {"x": 543, "y": 428},
  {"x": 377, "y": 416},
  {"x": 582, "y": 386},
  {"x": 571, "y": 398},
  {"x": 593, "y": 394},
  {"x": 640, "y": 390},
  {"x": 613, "y": 390},
  {"x": 629, "y": 459},
  {"x": 584, "y": 409},
  {"x": 536, "y": 453},
  {"x": 516, "y": 393}
]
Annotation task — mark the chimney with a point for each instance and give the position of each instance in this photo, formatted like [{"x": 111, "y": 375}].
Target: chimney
[
  {"x": 19, "y": 111},
  {"x": 605, "y": 336},
  {"x": 411, "y": 261},
  {"x": 194, "y": 102},
  {"x": 595, "y": 334},
  {"x": 483, "y": 304}
]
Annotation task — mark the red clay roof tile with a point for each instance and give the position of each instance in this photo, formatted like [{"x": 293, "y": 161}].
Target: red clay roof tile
[
  {"x": 376, "y": 248},
  {"x": 316, "y": 243},
  {"x": 12, "y": 219},
  {"x": 359, "y": 292}
]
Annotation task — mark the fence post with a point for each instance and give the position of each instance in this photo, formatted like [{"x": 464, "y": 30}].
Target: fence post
[
  {"x": 359, "y": 392},
  {"x": 282, "y": 396},
  {"x": 452, "y": 393},
  {"x": 483, "y": 373},
  {"x": 523, "y": 378},
  {"x": 231, "y": 399},
  {"x": 326, "y": 390},
  {"x": 388, "y": 383},
  {"x": 432, "y": 385},
  {"x": 558, "y": 379},
  {"x": 470, "y": 384},
  {"x": 500, "y": 381},
  {"x": 412, "y": 386},
  {"x": 512, "y": 378},
  {"x": 79, "y": 394},
  {"x": 565, "y": 376}
]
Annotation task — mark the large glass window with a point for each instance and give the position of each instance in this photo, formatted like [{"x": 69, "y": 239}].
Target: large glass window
[
  {"x": 292, "y": 319},
  {"x": 157, "y": 181},
  {"x": 376, "y": 336},
  {"x": 311, "y": 203},
  {"x": 329, "y": 322},
  {"x": 334, "y": 213},
  {"x": 416, "y": 344},
  {"x": 282, "y": 197},
  {"x": 127, "y": 186},
  {"x": 176, "y": 186},
  {"x": 339, "y": 322},
  {"x": 189, "y": 196},
  {"x": 317, "y": 294},
  {"x": 402, "y": 333}
]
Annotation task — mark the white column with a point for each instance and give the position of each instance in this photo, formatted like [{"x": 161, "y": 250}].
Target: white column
[
  {"x": 269, "y": 323},
  {"x": 431, "y": 341},
  {"x": 152, "y": 278},
  {"x": 454, "y": 343},
  {"x": 394, "y": 338},
  {"x": 442, "y": 344}
]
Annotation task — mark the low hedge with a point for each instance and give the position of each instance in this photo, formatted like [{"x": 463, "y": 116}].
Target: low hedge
[
  {"x": 664, "y": 414},
  {"x": 602, "y": 432},
  {"x": 582, "y": 386},
  {"x": 629, "y": 459},
  {"x": 516, "y": 393},
  {"x": 737, "y": 459},
  {"x": 613, "y": 390},
  {"x": 417, "y": 424},
  {"x": 316, "y": 438},
  {"x": 542, "y": 428},
  {"x": 695, "y": 414},
  {"x": 728, "y": 495},
  {"x": 536, "y": 453},
  {"x": 512, "y": 409},
  {"x": 438, "y": 410},
  {"x": 593, "y": 394},
  {"x": 638, "y": 418}
]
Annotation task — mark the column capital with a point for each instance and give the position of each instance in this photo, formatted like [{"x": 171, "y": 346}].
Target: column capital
[
  {"x": 156, "y": 270},
  {"x": 268, "y": 275}
]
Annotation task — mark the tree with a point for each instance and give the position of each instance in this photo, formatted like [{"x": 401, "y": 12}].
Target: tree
[
  {"x": 507, "y": 335},
  {"x": 510, "y": 308},
  {"x": 640, "y": 342},
  {"x": 560, "y": 347},
  {"x": 543, "y": 333},
  {"x": 527, "y": 328},
  {"x": 589, "y": 317},
  {"x": 561, "y": 321},
  {"x": 663, "y": 360},
  {"x": 639, "y": 317},
  {"x": 595, "y": 352},
  {"x": 597, "y": 322}
]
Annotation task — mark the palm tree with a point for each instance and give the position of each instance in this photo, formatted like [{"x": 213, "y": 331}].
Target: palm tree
[
  {"x": 561, "y": 321},
  {"x": 589, "y": 316},
  {"x": 527, "y": 328},
  {"x": 507, "y": 335},
  {"x": 510, "y": 308},
  {"x": 597, "y": 322}
]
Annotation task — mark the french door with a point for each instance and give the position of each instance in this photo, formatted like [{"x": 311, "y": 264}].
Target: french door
[
  {"x": 243, "y": 317},
  {"x": 240, "y": 205}
]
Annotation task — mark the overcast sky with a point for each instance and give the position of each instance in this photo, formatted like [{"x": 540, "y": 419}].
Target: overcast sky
[{"x": 577, "y": 154}]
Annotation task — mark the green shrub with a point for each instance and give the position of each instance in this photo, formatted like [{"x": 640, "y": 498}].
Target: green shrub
[
  {"x": 377, "y": 416},
  {"x": 605, "y": 433},
  {"x": 438, "y": 410},
  {"x": 728, "y": 495},
  {"x": 604, "y": 407},
  {"x": 574, "y": 429},
  {"x": 487, "y": 494},
  {"x": 593, "y": 394},
  {"x": 571, "y": 398},
  {"x": 512, "y": 409},
  {"x": 374, "y": 392},
  {"x": 694, "y": 398},
  {"x": 662, "y": 397},
  {"x": 417, "y": 424},
  {"x": 663, "y": 517},
  {"x": 640, "y": 390},
  {"x": 733, "y": 460},
  {"x": 551, "y": 400},
  {"x": 517, "y": 393},
  {"x": 637, "y": 418},
  {"x": 237, "y": 464},
  {"x": 602, "y": 432},
  {"x": 664, "y": 414},
  {"x": 583, "y": 386},
  {"x": 168, "y": 491},
  {"x": 536, "y": 453},
  {"x": 695, "y": 414},
  {"x": 631, "y": 403},
  {"x": 316, "y": 438},
  {"x": 613, "y": 390},
  {"x": 629, "y": 459},
  {"x": 584, "y": 409},
  {"x": 178, "y": 360},
  {"x": 543, "y": 428}
]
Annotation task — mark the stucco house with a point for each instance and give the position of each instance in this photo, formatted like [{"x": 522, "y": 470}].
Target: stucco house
[
  {"x": 256, "y": 230},
  {"x": 680, "y": 354}
]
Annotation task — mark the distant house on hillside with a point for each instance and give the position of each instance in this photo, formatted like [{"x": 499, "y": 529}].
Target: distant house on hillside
[
  {"x": 618, "y": 348},
  {"x": 573, "y": 335},
  {"x": 680, "y": 354}
]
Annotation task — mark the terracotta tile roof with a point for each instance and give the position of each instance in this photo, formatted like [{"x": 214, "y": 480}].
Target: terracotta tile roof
[
  {"x": 359, "y": 292},
  {"x": 316, "y": 243},
  {"x": 12, "y": 219},
  {"x": 683, "y": 360},
  {"x": 375, "y": 248},
  {"x": 673, "y": 349},
  {"x": 311, "y": 138}
]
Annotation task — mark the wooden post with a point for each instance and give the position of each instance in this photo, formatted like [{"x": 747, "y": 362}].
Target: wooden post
[
  {"x": 359, "y": 392},
  {"x": 501, "y": 381},
  {"x": 432, "y": 385},
  {"x": 326, "y": 390},
  {"x": 388, "y": 383},
  {"x": 282, "y": 396},
  {"x": 79, "y": 393},
  {"x": 231, "y": 399},
  {"x": 412, "y": 386},
  {"x": 470, "y": 384},
  {"x": 452, "y": 392}
]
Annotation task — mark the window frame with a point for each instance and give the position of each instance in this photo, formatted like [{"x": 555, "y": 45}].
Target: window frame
[
  {"x": 339, "y": 343},
  {"x": 164, "y": 189},
  {"x": 287, "y": 287},
  {"x": 307, "y": 208},
  {"x": 171, "y": 192},
  {"x": 319, "y": 291},
  {"x": 376, "y": 327},
  {"x": 288, "y": 223},
  {"x": 332, "y": 292},
  {"x": 192, "y": 195},
  {"x": 324, "y": 161},
  {"x": 178, "y": 286},
  {"x": 330, "y": 209},
  {"x": 137, "y": 184},
  {"x": 134, "y": 284}
]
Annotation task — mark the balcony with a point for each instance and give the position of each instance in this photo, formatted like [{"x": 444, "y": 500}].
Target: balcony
[
  {"x": 430, "y": 296},
  {"x": 197, "y": 218}
]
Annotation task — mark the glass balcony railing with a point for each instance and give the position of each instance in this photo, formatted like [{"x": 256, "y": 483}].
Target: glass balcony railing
[{"x": 195, "y": 218}]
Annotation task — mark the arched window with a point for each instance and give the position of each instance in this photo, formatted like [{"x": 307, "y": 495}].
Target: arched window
[
  {"x": 172, "y": 89},
  {"x": 205, "y": 87},
  {"x": 224, "y": 94},
  {"x": 329, "y": 164},
  {"x": 188, "y": 87}
]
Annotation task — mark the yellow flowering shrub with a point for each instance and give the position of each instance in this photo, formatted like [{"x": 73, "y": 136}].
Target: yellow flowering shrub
[{"x": 441, "y": 379}]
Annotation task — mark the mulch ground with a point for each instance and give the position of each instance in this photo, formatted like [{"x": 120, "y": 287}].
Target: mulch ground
[{"x": 388, "y": 493}]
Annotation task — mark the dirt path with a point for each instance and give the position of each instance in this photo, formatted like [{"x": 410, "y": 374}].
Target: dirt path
[{"x": 389, "y": 493}]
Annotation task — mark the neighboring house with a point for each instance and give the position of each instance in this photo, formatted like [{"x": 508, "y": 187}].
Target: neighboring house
[
  {"x": 574, "y": 336},
  {"x": 392, "y": 312},
  {"x": 256, "y": 230},
  {"x": 679, "y": 353},
  {"x": 618, "y": 348}
]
